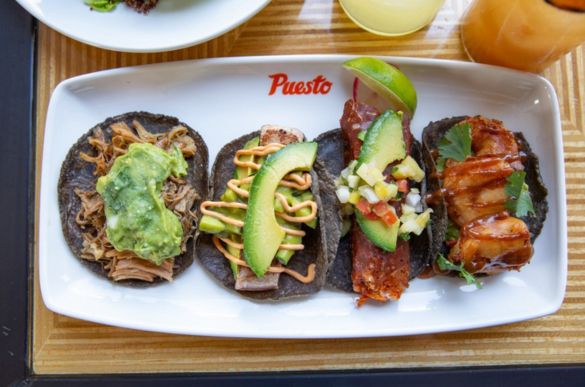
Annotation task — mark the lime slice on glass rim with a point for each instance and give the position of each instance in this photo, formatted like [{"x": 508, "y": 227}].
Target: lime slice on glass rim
[{"x": 386, "y": 80}]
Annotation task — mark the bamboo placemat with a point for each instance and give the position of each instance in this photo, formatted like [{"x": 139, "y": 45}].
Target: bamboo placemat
[{"x": 65, "y": 345}]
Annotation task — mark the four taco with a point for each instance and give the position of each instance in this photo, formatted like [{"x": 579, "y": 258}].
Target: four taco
[{"x": 281, "y": 217}]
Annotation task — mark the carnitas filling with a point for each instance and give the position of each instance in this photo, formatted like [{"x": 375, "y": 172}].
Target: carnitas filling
[{"x": 177, "y": 194}]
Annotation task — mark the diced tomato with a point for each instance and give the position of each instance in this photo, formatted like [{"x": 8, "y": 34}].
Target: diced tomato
[
  {"x": 372, "y": 216},
  {"x": 385, "y": 212},
  {"x": 380, "y": 208},
  {"x": 364, "y": 206},
  {"x": 390, "y": 218},
  {"x": 402, "y": 185},
  {"x": 365, "y": 209}
]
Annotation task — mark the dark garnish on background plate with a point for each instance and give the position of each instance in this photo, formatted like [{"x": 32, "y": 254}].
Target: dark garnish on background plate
[{"x": 142, "y": 6}]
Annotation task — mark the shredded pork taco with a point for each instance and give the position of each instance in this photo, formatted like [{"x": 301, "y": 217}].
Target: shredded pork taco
[{"x": 129, "y": 193}]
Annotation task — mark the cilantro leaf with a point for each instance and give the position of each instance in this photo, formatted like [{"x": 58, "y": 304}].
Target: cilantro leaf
[
  {"x": 456, "y": 144},
  {"x": 445, "y": 264},
  {"x": 441, "y": 164},
  {"x": 452, "y": 233},
  {"x": 518, "y": 193}
]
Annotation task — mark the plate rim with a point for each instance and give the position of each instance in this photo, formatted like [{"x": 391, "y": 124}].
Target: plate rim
[
  {"x": 26, "y": 4},
  {"x": 552, "y": 306}
]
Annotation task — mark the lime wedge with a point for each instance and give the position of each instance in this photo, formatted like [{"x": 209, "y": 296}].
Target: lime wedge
[{"x": 386, "y": 80}]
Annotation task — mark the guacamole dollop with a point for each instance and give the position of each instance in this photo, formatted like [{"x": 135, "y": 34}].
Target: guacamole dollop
[{"x": 137, "y": 218}]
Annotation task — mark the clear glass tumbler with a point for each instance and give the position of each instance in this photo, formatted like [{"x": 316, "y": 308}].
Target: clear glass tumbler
[
  {"x": 527, "y": 35},
  {"x": 391, "y": 17}
]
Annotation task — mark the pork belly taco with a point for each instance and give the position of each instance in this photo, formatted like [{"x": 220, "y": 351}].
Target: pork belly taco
[
  {"x": 129, "y": 194},
  {"x": 487, "y": 194},
  {"x": 263, "y": 226},
  {"x": 380, "y": 184}
]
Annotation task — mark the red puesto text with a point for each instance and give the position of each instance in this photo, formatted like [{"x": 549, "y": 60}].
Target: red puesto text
[{"x": 319, "y": 85}]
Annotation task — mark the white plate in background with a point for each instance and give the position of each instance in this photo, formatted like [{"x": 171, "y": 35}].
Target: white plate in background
[
  {"x": 172, "y": 25},
  {"x": 225, "y": 98}
]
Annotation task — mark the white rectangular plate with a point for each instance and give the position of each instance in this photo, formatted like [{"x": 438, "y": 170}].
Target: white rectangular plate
[{"x": 224, "y": 98}]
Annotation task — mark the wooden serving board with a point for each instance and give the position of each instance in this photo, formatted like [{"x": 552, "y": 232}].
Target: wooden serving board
[{"x": 64, "y": 345}]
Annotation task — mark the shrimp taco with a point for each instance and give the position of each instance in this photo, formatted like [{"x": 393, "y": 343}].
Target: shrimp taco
[
  {"x": 487, "y": 194},
  {"x": 129, "y": 195},
  {"x": 263, "y": 229}
]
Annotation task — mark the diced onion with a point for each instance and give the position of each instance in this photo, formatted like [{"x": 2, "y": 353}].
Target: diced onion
[
  {"x": 371, "y": 175},
  {"x": 342, "y": 193},
  {"x": 385, "y": 191},
  {"x": 368, "y": 194},
  {"x": 413, "y": 199},
  {"x": 345, "y": 173},
  {"x": 408, "y": 169},
  {"x": 414, "y": 223},
  {"x": 406, "y": 209},
  {"x": 353, "y": 181}
]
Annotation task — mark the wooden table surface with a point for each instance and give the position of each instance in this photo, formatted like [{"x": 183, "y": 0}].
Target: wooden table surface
[{"x": 65, "y": 345}]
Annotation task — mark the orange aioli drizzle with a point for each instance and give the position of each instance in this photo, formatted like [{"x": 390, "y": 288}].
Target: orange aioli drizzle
[{"x": 299, "y": 277}]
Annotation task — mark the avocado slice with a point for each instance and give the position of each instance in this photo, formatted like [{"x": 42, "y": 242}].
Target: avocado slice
[
  {"x": 262, "y": 235},
  {"x": 384, "y": 142},
  {"x": 236, "y": 253},
  {"x": 378, "y": 232},
  {"x": 283, "y": 256}
]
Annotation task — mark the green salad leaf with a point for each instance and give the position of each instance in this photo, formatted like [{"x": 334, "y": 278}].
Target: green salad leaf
[
  {"x": 445, "y": 264},
  {"x": 455, "y": 144},
  {"x": 519, "y": 201},
  {"x": 102, "y": 5}
]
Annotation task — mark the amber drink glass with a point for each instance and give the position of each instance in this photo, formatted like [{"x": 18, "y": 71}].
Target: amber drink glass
[{"x": 527, "y": 35}]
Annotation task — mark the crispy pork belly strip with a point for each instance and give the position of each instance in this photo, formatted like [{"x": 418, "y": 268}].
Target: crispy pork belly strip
[
  {"x": 376, "y": 274},
  {"x": 334, "y": 147}
]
